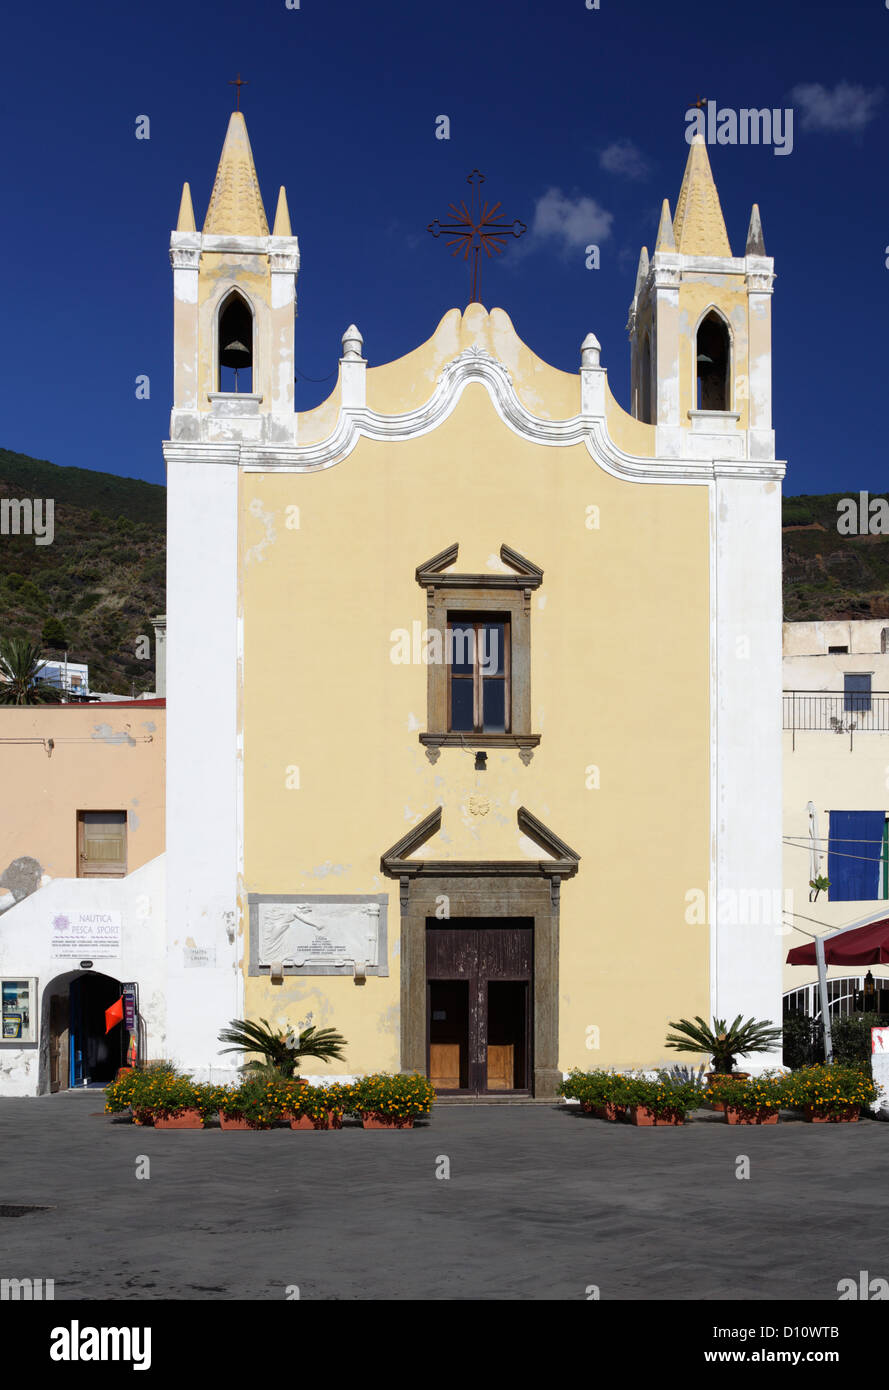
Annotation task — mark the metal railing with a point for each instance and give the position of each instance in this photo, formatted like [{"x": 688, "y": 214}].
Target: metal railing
[{"x": 836, "y": 712}]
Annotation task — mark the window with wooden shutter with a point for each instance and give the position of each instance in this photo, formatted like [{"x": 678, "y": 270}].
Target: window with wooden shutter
[{"x": 101, "y": 844}]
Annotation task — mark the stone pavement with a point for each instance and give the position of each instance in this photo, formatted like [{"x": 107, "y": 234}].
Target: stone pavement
[{"x": 541, "y": 1203}]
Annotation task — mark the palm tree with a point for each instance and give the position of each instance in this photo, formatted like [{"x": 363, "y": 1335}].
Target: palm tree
[
  {"x": 281, "y": 1049},
  {"x": 722, "y": 1042},
  {"x": 21, "y": 663}
]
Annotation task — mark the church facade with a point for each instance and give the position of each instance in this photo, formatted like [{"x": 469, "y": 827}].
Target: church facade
[{"x": 489, "y": 778}]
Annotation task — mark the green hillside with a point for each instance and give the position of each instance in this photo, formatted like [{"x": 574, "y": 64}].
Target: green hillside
[
  {"x": 827, "y": 575},
  {"x": 103, "y": 577}
]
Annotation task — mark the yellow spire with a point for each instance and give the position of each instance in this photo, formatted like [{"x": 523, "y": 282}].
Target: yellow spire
[
  {"x": 699, "y": 226},
  {"x": 282, "y": 216},
  {"x": 665, "y": 239},
  {"x": 186, "y": 211},
  {"x": 236, "y": 202}
]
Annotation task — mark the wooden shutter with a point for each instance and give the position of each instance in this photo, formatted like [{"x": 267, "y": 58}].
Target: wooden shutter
[{"x": 102, "y": 844}]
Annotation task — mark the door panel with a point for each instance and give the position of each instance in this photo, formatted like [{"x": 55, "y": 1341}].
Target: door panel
[{"x": 479, "y": 973}]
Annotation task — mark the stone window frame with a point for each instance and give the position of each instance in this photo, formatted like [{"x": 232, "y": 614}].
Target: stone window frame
[{"x": 447, "y": 595}]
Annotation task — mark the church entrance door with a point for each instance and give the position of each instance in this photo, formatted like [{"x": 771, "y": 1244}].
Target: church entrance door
[{"x": 479, "y": 1005}]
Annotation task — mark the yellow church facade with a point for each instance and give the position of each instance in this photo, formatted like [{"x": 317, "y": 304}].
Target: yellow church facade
[{"x": 490, "y": 778}]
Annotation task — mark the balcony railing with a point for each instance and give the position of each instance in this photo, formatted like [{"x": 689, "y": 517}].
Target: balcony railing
[{"x": 836, "y": 712}]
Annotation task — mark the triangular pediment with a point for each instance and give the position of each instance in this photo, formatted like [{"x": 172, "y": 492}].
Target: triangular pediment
[
  {"x": 561, "y": 861},
  {"x": 437, "y": 572}
]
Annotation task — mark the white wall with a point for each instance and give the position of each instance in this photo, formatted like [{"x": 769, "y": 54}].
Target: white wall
[{"x": 25, "y": 935}]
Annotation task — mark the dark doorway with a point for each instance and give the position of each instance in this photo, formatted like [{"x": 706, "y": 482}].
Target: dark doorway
[
  {"x": 94, "y": 1055},
  {"x": 479, "y": 975}
]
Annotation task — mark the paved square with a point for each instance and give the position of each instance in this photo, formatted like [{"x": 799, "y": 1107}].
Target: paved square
[{"x": 541, "y": 1203}]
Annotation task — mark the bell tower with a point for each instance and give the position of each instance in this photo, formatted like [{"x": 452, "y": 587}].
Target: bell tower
[
  {"x": 234, "y": 287},
  {"x": 234, "y": 290},
  {"x": 700, "y": 330}
]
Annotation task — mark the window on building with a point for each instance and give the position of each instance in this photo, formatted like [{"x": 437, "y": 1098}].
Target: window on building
[
  {"x": 838, "y": 651},
  {"x": 855, "y": 856},
  {"x": 479, "y": 692},
  {"x": 713, "y": 354},
  {"x": 856, "y": 691},
  {"x": 235, "y": 344},
  {"x": 645, "y": 381},
  {"x": 18, "y": 998},
  {"x": 101, "y": 844},
  {"x": 477, "y": 654}
]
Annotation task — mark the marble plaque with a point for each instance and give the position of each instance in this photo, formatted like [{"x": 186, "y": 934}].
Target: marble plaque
[{"x": 314, "y": 936}]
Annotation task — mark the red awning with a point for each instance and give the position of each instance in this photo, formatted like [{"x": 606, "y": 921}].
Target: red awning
[{"x": 868, "y": 945}]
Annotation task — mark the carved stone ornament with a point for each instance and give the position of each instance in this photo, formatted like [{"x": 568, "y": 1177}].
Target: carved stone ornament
[{"x": 334, "y": 933}]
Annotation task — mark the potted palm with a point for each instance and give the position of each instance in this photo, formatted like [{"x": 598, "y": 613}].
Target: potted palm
[
  {"x": 724, "y": 1042},
  {"x": 280, "y": 1049}
]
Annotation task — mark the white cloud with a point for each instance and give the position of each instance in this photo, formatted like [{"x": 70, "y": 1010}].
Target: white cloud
[
  {"x": 570, "y": 223},
  {"x": 622, "y": 157},
  {"x": 845, "y": 107}
]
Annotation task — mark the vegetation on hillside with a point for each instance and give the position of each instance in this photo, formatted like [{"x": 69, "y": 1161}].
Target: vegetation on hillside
[
  {"x": 100, "y": 582},
  {"x": 828, "y": 575},
  {"x": 94, "y": 591}
]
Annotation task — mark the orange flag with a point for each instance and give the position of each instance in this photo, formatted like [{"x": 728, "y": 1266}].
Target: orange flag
[{"x": 114, "y": 1015}]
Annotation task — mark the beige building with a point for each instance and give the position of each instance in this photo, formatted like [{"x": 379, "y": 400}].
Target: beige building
[
  {"x": 81, "y": 890},
  {"x": 836, "y": 794}
]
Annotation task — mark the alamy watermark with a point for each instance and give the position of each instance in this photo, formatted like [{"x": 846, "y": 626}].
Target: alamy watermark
[
  {"x": 746, "y": 126},
  {"x": 22, "y": 517},
  {"x": 863, "y": 516},
  {"x": 459, "y": 646}
]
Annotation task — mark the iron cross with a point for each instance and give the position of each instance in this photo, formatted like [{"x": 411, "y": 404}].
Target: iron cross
[
  {"x": 238, "y": 83},
  {"x": 475, "y": 229}
]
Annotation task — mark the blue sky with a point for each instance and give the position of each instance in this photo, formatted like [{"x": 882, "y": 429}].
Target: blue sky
[{"x": 577, "y": 119}]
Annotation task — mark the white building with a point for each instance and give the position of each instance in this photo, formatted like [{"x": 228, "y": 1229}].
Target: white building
[{"x": 836, "y": 794}]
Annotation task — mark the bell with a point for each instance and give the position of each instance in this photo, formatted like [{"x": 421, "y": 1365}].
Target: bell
[
  {"x": 707, "y": 361},
  {"x": 235, "y": 354}
]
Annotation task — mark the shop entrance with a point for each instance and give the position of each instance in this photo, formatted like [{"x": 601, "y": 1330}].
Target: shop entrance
[
  {"x": 79, "y": 1049},
  {"x": 479, "y": 1004}
]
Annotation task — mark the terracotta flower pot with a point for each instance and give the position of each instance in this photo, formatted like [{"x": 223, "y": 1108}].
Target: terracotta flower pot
[
  {"x": 232, "y": 1122},
  {"x": 714, "y": 1078},
  {"x": 743, "y": 1117},
  {"x": 641, "y": 1115},
  {"x": 385, "y": 1121},
  {"x": 306, "y": 1122},
  {"x": 186, "y": 1119},
  {"x": 820, "y": 1117}
]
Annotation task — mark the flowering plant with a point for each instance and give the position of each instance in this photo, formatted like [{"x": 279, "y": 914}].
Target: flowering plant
[
  {"x": 400, "y": 1097},
  {"x": 830, "y": 1088},
  {"x": 260, "y": 1100},
  {"x": 757, "y": 1096}
]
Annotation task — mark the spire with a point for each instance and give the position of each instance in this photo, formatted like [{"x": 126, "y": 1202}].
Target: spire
[
  {"x": 236, "y": 202},
  {"x": 700, "y": 226},
  {"x": 642, "y": 272},
  {"x": 665, "y": 239},
  {"x": 755, "y": 244},
  {"x": 282, "y": 216},
  {"x": 186, "y": 211}
]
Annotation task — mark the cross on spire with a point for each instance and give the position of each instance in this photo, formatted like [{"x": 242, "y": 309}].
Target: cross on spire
[
  {"x": 238, "y": 83},
  {"x": 475, "y": 229}
]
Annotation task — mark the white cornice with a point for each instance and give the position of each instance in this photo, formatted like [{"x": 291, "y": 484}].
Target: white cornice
[{"x": 473, "y": 365}]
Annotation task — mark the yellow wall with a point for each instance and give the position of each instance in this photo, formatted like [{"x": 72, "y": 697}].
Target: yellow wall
[
  {"x": 93, "y": 767},
  {"x": 620, "y": 679}
]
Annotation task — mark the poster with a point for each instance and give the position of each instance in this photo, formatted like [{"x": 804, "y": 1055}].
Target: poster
[{"x": 85, "y": 936}]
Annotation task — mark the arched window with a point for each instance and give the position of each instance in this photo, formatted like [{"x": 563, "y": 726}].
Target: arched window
[
  {"x": 645, "y": 381},
  {"x": 713, "y": 362},
  {"x": 235, "y": 344}
]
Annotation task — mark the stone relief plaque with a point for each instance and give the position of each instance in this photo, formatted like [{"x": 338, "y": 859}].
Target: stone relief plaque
[{"x": 316, "y": 936}]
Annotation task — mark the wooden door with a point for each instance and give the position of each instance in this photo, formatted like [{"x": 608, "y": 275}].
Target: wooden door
[
  {"x": 58, "y": 1042},
  {"x": 479, "y": 979}
]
